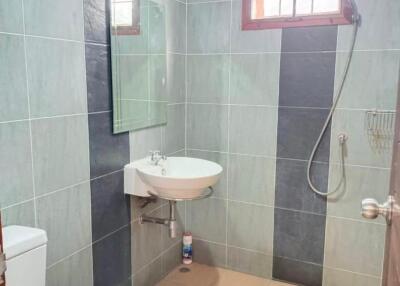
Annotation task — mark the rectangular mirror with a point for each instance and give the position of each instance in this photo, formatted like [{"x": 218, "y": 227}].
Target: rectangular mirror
[{"x": 138, "y": 56}]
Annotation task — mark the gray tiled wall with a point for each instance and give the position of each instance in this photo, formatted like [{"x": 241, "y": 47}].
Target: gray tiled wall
[
  {"x": 154, "y": 254},
  {"x": 232, "y": 113},
  {"x": 61, "y": 165},
  {"x": 44, "y": 131},
  {"x": 305, "y": 95},
  {"x": 367, "y": 87},
  {"x": 255, "y": 103},
  {"x": 225, "y": 83}
]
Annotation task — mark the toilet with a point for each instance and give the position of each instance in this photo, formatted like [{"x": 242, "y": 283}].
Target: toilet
[{"x": 25, "y": 250}]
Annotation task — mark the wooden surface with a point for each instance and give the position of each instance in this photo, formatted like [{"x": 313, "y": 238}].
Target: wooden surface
[
  {"x": 2, "y": 283},
  {"x": 391, "y": 270}
]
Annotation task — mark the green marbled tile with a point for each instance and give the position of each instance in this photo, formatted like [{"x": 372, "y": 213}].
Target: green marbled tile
[
  {"x": 65, "y": 216},
  {"x": 15, "y": 163},
  {"x": 56, "y": 77},
  {"x": 13, "y": 91},
  {"x": 60, "y": 152},
  {"x": 11, "y": 16},
  {"x": 75, "y": 270},
  {"x": 57, "y": 19}
]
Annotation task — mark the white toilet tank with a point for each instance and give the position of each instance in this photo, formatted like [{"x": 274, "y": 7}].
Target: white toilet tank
[{"x": 25, "y": 250}]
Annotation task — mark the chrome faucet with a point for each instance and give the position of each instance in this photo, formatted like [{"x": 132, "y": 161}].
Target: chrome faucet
[{"x": 156, "y": 157}]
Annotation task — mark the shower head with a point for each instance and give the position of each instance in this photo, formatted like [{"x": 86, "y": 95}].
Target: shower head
[{"x": 355, "y": 15}]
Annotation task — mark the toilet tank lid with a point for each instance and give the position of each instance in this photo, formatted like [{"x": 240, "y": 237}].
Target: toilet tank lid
[{"x": 20, "y": 239}]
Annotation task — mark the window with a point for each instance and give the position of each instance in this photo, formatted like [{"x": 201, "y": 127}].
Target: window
[
  {"x": 273, "y": 14},
  {"x": 125, "y": 17}
]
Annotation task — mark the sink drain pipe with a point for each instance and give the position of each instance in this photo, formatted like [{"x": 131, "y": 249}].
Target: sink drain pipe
[{"x": 170, "y": 222}]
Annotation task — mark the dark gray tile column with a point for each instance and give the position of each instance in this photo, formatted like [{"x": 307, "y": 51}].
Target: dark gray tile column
[
  {"x": 306, "y": 86},
  {"x": 111, "y": 229}
]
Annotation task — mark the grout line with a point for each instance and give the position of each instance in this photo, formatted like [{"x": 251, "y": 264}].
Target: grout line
[
  {"x": 14, "y": 121},
  {"x": 208, "y": 241},
  {"x": 326, "y": 229},
  {"x": 353, "y": 272},
  {"x": 100, "y": 112},
  {"x": 111, "y": 233},
  {"x": 90, "y": 43},
  {"x": 332, "y": 163},
  {"x": 228, "y": 131},
  {"x": 18, "y": 204},
  {"x": 29, "y": 116},
  {"x": 207, "y": 2},
  {"x": 337, "y": 52},
  {"x": 144, "y": 55},
  {"x": 200, "y": 54},
  {"x": 230, "y": 104},
  {"x": 77, "y": 184},
  {"x": 296, "y": 210},
  {"x": 195, "y": 103},
  {"x": 59, "y": 116},
  {"x": 287, "y": 258},
  {"x": 176, "y": 152},
  {"x": 215, "y": 198},
  {"x": 38, "y": 36},
  {"x": 61, "y": 189},
  {"x": 298, "y": 260},
  {"x": 364, "y": 109},
  {"x": 55, "y": 39},
  {"x": 68, "y": 256},
  {"x": 233, "y": 53},
  {"x": 356, "y": 220},
  {"x": 182, "y": 2},
  {"x": 149, "y": 67},
  {"x": 154, "y": 259},
  {"x": 98, "y": 240},
  {"x": 288, "y": 107},
  {"x": 166, "y": 53},
  {"x": 87, "y": 126},
  {"x": 186, "y": 99},
  {"x": 105, "y": 175},
  {"x": 176, "y": 103},
  {"x": 232, "y": 246},
  {"x": 186, "y": 75},
  {"x": 273, "y": 243}
]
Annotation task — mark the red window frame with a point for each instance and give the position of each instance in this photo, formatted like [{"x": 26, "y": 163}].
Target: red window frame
[
  {"x": 134, "y": 29},
  {"x": 342, "y": 18}
]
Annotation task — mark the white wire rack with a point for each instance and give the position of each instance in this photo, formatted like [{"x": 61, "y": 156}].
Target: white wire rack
[{"x": 380, "y": 126}]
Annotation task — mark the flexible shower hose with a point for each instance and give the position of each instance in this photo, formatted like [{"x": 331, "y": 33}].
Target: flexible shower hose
[{"x": 342, "y": 137}]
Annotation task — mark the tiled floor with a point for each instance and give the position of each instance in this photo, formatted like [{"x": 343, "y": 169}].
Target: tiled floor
[{"x": 203, "y": 275}]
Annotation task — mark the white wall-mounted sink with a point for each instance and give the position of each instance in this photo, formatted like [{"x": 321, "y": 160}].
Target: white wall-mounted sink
[{"x": 177, "y": 178}]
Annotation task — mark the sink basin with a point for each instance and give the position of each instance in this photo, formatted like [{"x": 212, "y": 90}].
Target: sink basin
[{"x": 177, "y": 178}]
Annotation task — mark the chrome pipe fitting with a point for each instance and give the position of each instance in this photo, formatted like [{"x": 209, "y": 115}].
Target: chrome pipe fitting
[{"x": 170, "y": 222}]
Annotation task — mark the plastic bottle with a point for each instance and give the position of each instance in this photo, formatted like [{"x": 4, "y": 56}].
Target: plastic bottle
[{"x": 187, "y": 248}]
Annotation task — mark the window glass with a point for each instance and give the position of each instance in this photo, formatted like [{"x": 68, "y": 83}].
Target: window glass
[
  {"x": 276, "y": 14},
  {"x": 271, "y": 8},
  {"x": 286, "y": 7},
  {"x": 264, "y": 9},
  {"x": 122, "y": 14},
  {"x": 303, "y": 7},
  {"x": 326, "y": 6}
]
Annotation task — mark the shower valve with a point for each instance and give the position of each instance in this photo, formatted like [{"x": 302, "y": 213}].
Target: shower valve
[{"x": 342, "y": 138}]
